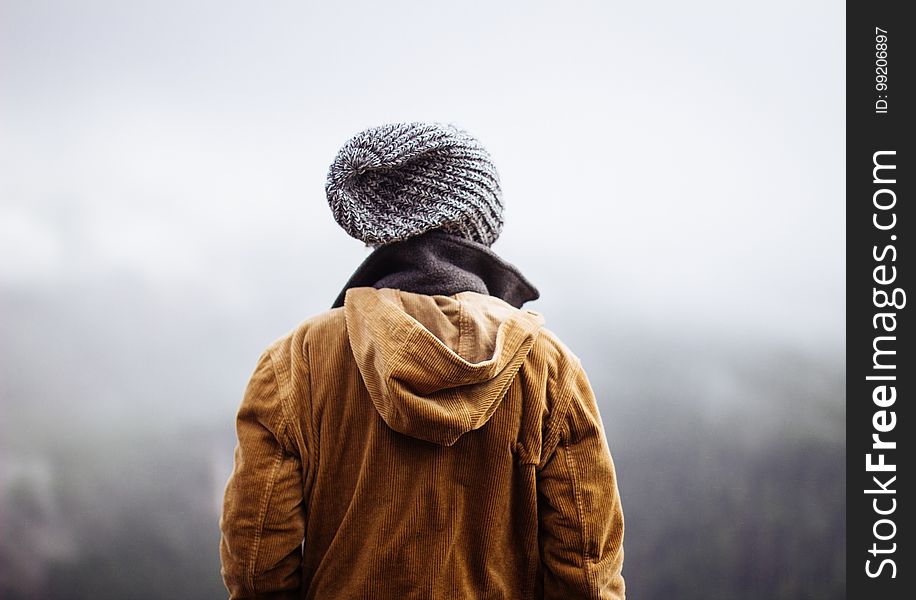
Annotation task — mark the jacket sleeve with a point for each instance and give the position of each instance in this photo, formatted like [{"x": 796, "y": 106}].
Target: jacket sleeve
[
  {"x": 262, "y": 522},
  {"x": 579, "y": 509}
]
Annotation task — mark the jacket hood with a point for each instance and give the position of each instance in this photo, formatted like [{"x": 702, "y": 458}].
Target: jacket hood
[{"x": 437, "y": 366}]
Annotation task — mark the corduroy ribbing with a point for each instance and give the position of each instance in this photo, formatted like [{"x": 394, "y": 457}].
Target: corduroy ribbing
[{"x": 499, "y": 485}]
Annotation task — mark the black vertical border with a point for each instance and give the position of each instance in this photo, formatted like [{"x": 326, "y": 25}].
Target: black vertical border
[{"x": 869, "y": 132}]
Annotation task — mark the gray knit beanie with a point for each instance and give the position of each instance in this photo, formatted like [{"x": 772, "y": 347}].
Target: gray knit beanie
[{"x": 398, "y": 180}]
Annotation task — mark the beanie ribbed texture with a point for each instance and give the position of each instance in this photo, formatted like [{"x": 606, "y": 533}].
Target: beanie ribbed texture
[{"x": 395, "y": 181}]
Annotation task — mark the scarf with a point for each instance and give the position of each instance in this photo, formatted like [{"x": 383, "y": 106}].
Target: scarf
[{"x": 438, "y": 262}]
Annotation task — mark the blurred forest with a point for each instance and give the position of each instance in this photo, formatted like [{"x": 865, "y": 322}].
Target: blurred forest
[{"x": 731, "y": 459}]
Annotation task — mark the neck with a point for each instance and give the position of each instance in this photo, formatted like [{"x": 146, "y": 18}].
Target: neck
[{"x": 438, "y": 262}]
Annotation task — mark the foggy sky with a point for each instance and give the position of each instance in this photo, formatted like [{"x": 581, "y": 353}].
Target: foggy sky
[{"x": 670, "y": 165}]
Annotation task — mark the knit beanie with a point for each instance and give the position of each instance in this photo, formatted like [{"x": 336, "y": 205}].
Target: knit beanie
[{"x": 398, "y": 180}]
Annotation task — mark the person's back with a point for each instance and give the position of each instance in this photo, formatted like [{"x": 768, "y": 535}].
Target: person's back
[{"x": 426, "y": 437}]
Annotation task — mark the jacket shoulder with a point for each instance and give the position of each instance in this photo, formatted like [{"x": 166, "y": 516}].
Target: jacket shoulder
[
  {"x": 562, "y": 367},
  {"x": 557, "y": 351},
  {"x": 289, "y": 355},
  {"x": 325, "y": 327}
]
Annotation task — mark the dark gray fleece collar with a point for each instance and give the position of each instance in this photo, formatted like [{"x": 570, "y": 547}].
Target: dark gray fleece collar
[{"x": 438, "y": 262}]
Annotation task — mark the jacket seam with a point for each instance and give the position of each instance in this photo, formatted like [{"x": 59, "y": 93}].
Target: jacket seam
[
  {"x": 282, "y": 378},
  {"x": 555, "y": 427},
  {"x": 262, "y": 517},
  {"x": 468, "y": 420},
  {"x": 577, "y": 497},
  {"x": 310, "y": 414},
  {"x": 462, "y": 324},
  {"x": 588, "y": 555}
]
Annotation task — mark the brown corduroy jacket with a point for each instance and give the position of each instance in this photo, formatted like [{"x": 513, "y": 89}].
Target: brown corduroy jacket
[{"x": 421, "y": 446}]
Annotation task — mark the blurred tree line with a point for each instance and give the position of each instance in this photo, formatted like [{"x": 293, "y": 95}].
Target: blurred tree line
[{"x": 733, "y": 483}]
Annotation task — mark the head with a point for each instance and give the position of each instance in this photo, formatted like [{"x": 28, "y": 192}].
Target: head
[{"x": 398, "y": 180}]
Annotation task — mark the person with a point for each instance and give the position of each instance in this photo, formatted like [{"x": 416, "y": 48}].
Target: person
[{"x": 426, "y": 436}]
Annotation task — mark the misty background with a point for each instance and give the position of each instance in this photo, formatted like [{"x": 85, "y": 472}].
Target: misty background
[{"x": 673, "y": 177}]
